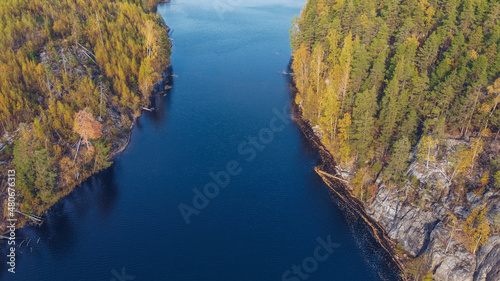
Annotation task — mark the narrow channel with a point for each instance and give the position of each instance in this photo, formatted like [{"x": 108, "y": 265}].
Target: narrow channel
[{"x": 222, "y": 148}]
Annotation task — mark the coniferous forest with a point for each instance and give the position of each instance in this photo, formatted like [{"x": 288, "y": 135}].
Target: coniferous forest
[
  {"x": 74, "y": 76},
  {"x": 377, "y": 77},
  {"x": 392, "y": 84}
]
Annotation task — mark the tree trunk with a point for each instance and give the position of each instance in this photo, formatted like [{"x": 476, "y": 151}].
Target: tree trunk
[
  {"x": 100, "y": 99},
  {"x": 453, "y": 174},
  {"x": 100, "y": 32},
  {"x": 472, "y": 113},
  {"x": 428, "y": 154},
  {"x": 474, "y": 157},
  {"x": 495, "y": 107},
  {"x": 77, "y": 149},
  {"x": 477, "y": 243},
  {"x": 449, "y": 241},
  {"x": 320, "y": 105},
  {"x": 318, "y": 74},
  {"x": 331, "y": 131},
  {"x": 335, "y": 129},
  {"x": 64, "y": 60}
]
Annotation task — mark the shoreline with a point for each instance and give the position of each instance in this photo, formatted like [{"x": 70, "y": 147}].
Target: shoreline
[
  {"x": 160, "y": 87},
  {"x": 112, "y": 156},
  {"x": 326, "y": 169},
  {"x": 167, "y": 81}
]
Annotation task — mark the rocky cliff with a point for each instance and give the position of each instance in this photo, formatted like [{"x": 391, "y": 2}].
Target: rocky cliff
[{"x": 417, "y": 217}]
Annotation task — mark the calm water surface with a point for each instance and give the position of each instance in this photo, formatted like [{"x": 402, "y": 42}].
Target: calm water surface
[{"x": 228, "y": 60}]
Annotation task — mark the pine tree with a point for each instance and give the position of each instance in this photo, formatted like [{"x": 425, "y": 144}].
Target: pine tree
[
  {"x": 397, "y": 91},
  {"x": 364, "y": 114},
  {"x": 24, "y": 162},
  {"x": 345, "y": 61},
  {"x": 428, "y": 54},
  {"x": 494, "y": 90},
  {"x": 295, "y": 33},
  {"x": 45, "y": 175},
  {"x": 101, "y": 156},
  {"x": 360, "y": 67},
  {"x": 399, "y": 159},
  {"x": 343, "y": 139}
]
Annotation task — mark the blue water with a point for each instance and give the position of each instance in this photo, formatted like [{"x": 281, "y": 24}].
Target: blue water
[{"x": 274, "y": 213}]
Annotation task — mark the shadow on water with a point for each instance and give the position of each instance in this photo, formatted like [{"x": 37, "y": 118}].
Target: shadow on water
[
  {"x": 59, "y": 233},
  {"x": 160, "y": 98},
  {"x": 109, "y": 191},
  {"x": 98, "y": 195},
  {"x": 376, "y": 258}
]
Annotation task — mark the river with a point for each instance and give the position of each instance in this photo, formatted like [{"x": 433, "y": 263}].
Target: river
[{"x": 268, "y": 216}]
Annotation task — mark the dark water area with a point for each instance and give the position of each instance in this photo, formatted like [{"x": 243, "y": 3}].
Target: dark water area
[{"x": 227, "y": 115}]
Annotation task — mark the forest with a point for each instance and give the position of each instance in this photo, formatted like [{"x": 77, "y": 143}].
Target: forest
[
  {"x": 379, "y": 76},
  {"x": 382, "y": 79},
  {"x": 74, "y": 75}
]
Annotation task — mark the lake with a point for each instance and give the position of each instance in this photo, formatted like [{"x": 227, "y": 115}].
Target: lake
[{"x": 217, "y": 183}]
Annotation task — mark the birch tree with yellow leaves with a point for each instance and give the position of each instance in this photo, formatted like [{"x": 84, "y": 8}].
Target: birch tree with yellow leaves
[{"x": 477, "y": 228}]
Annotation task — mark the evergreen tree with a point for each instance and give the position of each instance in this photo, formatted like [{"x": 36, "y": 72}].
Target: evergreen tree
[
  {"x": 364, "y": 114},
  {"x": 400, "y": 70},
  {"x": 400, "y": 157}
]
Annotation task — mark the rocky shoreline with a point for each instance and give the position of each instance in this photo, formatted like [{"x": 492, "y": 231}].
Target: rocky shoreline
[
  {"x": 427, "y": 233},
  {"x": 327, "y": 170},
  {"x": 413, "y": 234}
]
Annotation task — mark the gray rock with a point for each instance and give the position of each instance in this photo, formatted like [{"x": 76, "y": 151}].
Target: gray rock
[
  {"x": 449, "y": 263},
  {"x": 473, "y": 198},
  {"x": 461, "y": 211},
  {"x": 488, "y": 261},
  {"x": 420, "y": 229},
  {"x": 452, "y": 268},
  {"x": 404, "y": 222}
]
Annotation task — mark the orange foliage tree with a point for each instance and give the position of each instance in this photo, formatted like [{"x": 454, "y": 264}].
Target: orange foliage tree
[{"x": 86, "y": 126}]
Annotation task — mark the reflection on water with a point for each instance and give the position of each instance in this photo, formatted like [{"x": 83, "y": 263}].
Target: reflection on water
[
  {"x": 160, "y": 100},
  {"x": 58, "y": 233}
]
